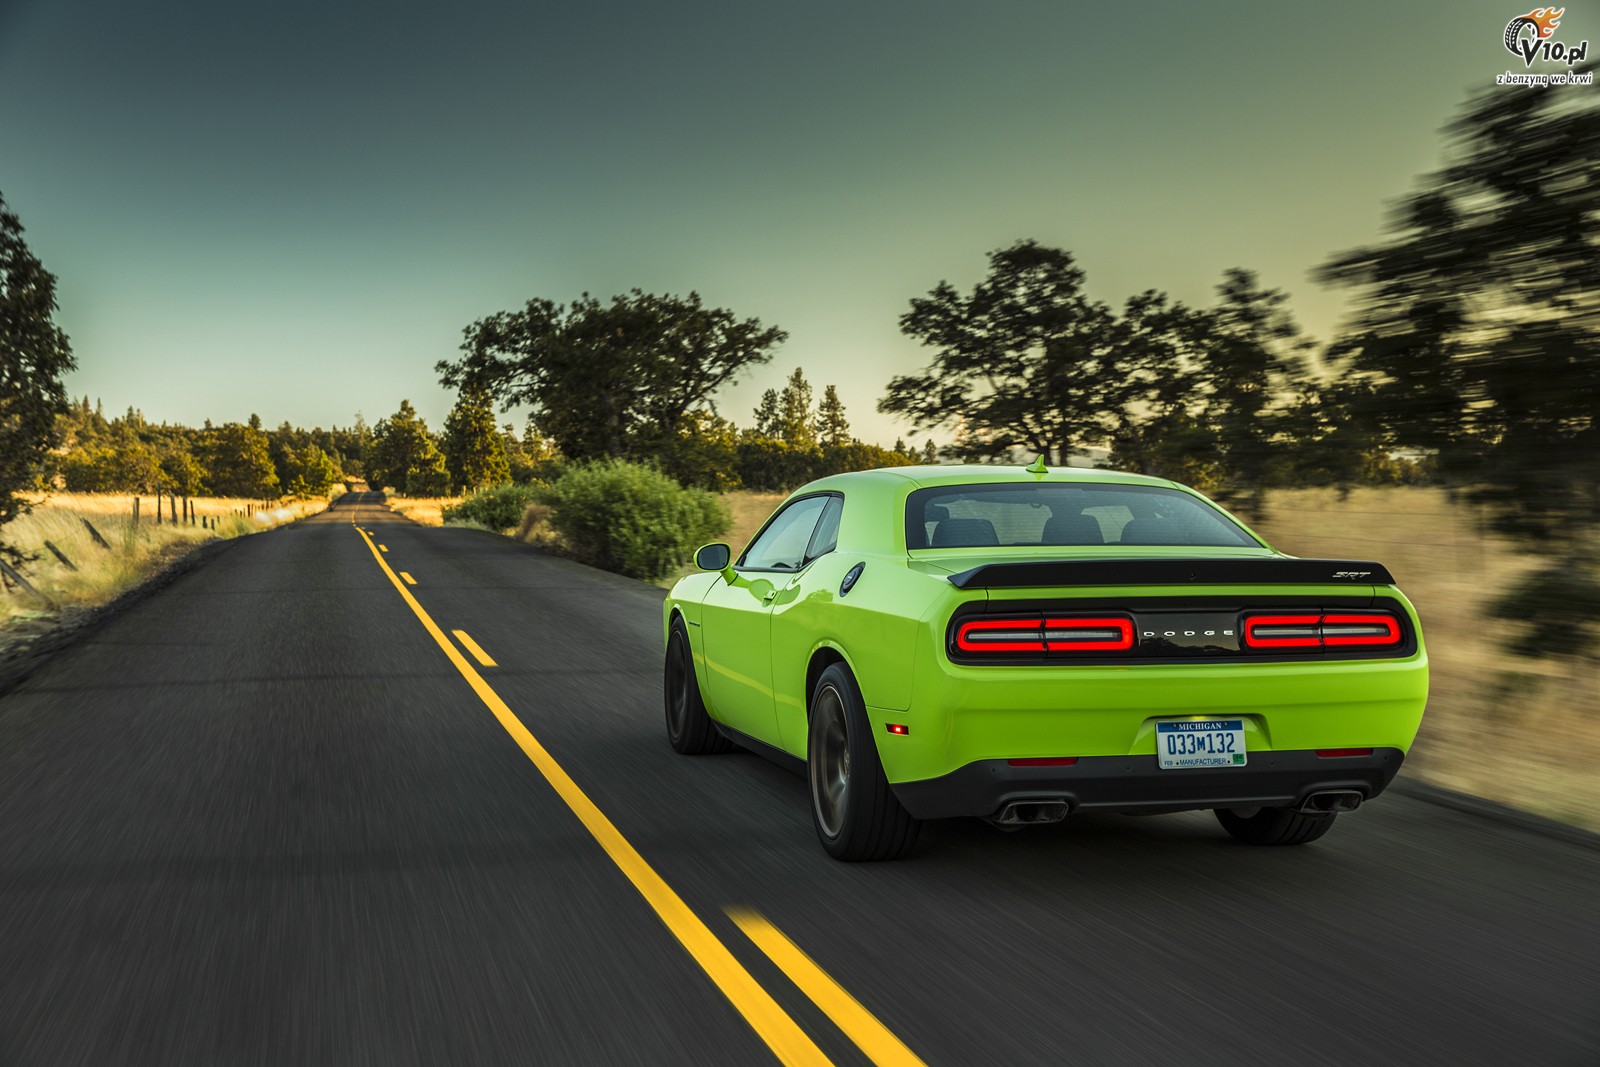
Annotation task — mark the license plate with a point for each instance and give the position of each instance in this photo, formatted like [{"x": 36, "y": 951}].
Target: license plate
[{"x": 1184, "y": 744}]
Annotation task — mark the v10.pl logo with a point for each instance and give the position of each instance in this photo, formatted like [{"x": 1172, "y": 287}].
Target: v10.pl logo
[{"x": 1530, "y": 36}]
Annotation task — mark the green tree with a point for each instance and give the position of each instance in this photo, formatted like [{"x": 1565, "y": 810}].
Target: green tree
[
  {"x": 404, "y": 456},
  {"x": 238, "y": 462},
  {"x": 1478, "y": 335},
  {"x": 794, "y": 412},
  {"x": 768, "y": 421},
  {"x": 34, "y": 355},
  {"x": 610, "y": 379},
  {"x": 930, "y": 453},
  {"x": 474, "y": 451},
  {"x": 1020, "y": 362},
  {"x": 831, "y": 426}
]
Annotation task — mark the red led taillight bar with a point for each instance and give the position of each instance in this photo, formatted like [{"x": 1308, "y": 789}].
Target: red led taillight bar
[
  {"x": 1332, "y": 630},
  {"x": 1039, "y": 634}
]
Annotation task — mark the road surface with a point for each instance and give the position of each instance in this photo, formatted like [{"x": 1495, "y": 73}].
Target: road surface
[{"x": 264, "y": 818}]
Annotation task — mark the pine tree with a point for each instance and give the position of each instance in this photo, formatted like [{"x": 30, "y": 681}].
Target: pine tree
[
  {"x": 473, "y": 448},
  {"x": 831, "y": 426},
  {"x": 794, "y": 412},
  {"x": 930, "y": 453},
  {"x": 768, "y": 422}
]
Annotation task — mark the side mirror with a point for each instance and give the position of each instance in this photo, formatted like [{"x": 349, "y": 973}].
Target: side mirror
[{"x": 713, "y": 557}]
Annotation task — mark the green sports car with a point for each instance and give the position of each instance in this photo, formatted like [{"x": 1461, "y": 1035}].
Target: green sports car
[{"x": 1020, "y": 643}]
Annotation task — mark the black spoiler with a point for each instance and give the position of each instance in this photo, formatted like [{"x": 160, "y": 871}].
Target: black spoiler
[{"x": 1280, "y": 571}]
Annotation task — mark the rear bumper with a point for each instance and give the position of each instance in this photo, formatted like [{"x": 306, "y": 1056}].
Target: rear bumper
[{"x": 1136, "y": 784}]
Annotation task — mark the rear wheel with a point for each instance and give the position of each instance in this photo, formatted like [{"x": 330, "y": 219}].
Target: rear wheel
[
  {"x": 855, "y": 812},
  {"x": 689, "y": 727},
  {"x": 1274, "y": 826}
]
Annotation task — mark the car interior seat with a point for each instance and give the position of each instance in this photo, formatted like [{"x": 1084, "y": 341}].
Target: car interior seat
[
  {"x": 1077, "y": 529},
  {"x": 961, "y": 533}
]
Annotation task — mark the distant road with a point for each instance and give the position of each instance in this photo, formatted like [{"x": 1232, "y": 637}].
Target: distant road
[{"x": 264, "y": 818}]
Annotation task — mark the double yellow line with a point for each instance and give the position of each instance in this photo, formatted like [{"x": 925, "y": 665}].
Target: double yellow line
[{"x": 774, "y": 1025}]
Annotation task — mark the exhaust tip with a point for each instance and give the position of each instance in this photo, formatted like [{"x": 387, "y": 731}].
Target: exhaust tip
[
  {"x": 1020, "y": 813},
  {"x": 1331, "y": 801}
]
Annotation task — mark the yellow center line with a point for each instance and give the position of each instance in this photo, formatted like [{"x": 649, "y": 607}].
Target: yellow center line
[
  {"x": 782, "y": 1035},
  {"x": 407, "y": 576},
  {"x": 858, "y": 1024},
  {"x": 472, "y": 646}
]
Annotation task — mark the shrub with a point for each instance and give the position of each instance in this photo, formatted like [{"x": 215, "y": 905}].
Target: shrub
[
  {"x": 631, "y": 518},
  {"x": 499, "y": 507}
]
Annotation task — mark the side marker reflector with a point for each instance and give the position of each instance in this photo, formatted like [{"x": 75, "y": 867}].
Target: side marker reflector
[
  {"x": 897, "y": 728},
  {"x": 1335, "y": 753},
  {"x": 1044, "y": 761}
]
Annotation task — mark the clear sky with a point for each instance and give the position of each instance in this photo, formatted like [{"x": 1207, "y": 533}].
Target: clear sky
[{"x": 294, "y": 208}]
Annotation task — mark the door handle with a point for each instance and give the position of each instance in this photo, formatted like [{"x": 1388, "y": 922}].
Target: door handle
[{"x": 769, "y": 597}]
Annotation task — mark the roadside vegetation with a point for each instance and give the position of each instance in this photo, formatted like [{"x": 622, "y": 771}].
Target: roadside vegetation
[{"x": 95, "y": 572}]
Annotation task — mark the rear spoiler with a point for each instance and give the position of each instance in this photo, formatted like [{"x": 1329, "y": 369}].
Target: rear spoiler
[{"x": 1280, "y": 571}]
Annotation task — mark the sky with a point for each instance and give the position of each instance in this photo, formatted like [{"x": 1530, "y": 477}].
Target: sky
[{"x": 293, "y": 209}]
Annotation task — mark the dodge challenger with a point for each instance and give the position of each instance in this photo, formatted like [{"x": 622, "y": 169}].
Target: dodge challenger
[{"x": 1020, "y": 643}]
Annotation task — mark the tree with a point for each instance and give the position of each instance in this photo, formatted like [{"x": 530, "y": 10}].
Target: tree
[
  {"x": 474, "y": 451},
  {"x": 768, "y": 421},
  {"x": 1019, "y": 362},
  {"x": 1478, "y": 338},
  {"x": 610, "y": 379},
  {"x": 794, "y": 412},
  {"x": 404, "y": 456},
  {"x": 930, "y": 453},
  {"x": 831, "y": 426},
  {"x": 34, "y": 355},
  {"x": 311, "y": 471},
  {"x": 238, "y": 462}
]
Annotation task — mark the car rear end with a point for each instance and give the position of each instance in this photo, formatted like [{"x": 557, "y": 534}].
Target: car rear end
[{"x": 1138, "y": 677}]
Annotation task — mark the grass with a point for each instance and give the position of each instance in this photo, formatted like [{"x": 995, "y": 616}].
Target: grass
[
  {"x": 135, "y": 552},
  {"x": 426, "y": 510}
]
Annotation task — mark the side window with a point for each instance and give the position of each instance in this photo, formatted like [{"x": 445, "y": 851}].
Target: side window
[
  {"x": 782, "y": 545},
  {"x": 826, "y": 539}
]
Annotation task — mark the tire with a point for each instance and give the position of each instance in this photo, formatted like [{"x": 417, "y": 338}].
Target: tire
[
  {"x": 855, "y": 813},
  {"x": 1514, "y": 30},
  {"x": 1275, "y": 826},
  {"x": 689, "y": 727}
]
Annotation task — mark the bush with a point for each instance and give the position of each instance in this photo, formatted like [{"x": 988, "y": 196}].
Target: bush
[
  {"x": 632, "y": 519},
  {"x": 499, "y": 507}
]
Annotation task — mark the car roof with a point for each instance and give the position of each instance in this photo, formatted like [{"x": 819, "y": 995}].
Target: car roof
[{"x": 930, "y": 475}]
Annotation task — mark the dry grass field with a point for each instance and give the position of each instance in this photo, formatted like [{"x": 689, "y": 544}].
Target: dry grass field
[
  {"x": 134, "y": 552},
  {"x": 426, "y": 510}
]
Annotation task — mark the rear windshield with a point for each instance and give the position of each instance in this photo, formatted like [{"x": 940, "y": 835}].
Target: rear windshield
[{"x": 974, "y": 516}]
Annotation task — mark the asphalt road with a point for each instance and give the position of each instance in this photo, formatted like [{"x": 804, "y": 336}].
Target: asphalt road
[{"x": 262, "y": 818}]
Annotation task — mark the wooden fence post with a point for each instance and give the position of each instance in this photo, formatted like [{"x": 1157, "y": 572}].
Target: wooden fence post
[
  {"x": 101, "y": 541},
  {"x": 62, "y": 556},
  {"x": 136, "y": 511},
  {"x": 11, "y": 572}
]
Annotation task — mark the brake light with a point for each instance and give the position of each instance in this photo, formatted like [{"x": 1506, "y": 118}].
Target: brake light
[
  {"x": 1088, "y": 635},
  {"x": 1043, "y": 761},
  {"x": 1334, "y": 630},
  {"x": 1036, "y": 634},
  {"x": 1360, "y": 630},
  {"x": 1282, "y": 631}
]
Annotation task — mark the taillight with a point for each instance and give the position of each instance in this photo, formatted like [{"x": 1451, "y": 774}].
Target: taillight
[
  {"x": 1341, "y": 630},
  {"x": 1360, "y": 630},
  {"x": 1282, "y": 631},
  {"x": 1039, "y": 635}
]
